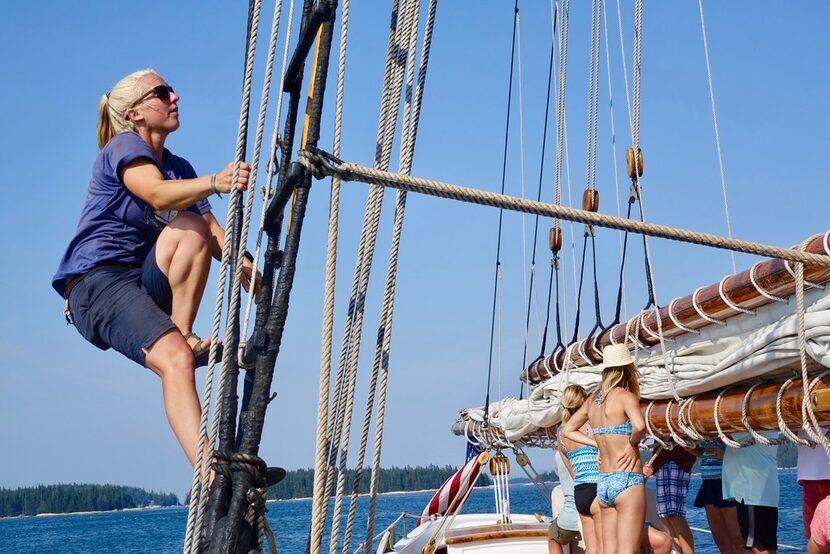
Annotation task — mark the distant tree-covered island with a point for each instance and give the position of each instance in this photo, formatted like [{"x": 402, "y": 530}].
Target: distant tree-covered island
[
  {"x": 71, "y": 498},
  {"x": 65, "y": 499},
  {"x": 300, "y": 483}
]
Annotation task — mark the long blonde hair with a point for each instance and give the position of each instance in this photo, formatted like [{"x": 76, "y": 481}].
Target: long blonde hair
[
  {"x": 114, "y": 105},
  {"x": 624, "y": 376},
  {"x": 573, "y": 397}
]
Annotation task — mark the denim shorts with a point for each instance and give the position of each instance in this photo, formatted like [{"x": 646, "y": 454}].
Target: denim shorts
[{"x": 124, "y": 309}]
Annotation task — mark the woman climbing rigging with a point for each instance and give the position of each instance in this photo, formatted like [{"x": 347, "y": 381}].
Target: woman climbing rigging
[
  {"x": 618, "y": 426},
  {"x": 135, "y": 271}
]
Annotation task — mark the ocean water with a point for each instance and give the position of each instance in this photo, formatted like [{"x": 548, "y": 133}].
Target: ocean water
[{"x": 162, "y": 530}]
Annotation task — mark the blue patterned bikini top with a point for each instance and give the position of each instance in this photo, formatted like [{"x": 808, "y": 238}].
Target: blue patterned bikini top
[{"x": 621, "y": 429}]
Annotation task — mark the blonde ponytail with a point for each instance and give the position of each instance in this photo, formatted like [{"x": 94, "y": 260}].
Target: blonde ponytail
[
  {"x": 573, "y": 397},
  {"x": 114, "y": 105}
]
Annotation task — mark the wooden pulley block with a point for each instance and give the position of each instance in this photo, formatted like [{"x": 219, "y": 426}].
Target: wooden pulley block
[
  {"x": 590, "y": 200},
  {"x": 499, "y": 465},
  {"x": 555, "y": 239},
  {"x": 629, "y": 159},
  {"x": 521, "y": 459}
]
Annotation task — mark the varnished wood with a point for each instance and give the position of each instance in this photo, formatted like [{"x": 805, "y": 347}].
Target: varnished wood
[
  {"x": 555, "y": 239},
  {"x": 629, "y": 162},
  {"x": 496, "y": 532},
  {"x": 590, "y": 200},
  {"x": 761, "y": 413},
  {"x": 771, "y": 275}
]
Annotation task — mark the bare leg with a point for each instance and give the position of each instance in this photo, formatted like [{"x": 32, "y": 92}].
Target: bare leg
[
  {"x": 680, "y": 532},
  {"x": 553, "y": 547},
  {"x": 589, "y": 534},
  {"x": 815, "y": 548},
  {"x": 183, "y": 255},
  {"x": 631, "y": 514},
  {"x": 597, "y": 517},
  {"x": 721, "y": 533},
  {"x": 730, "y": 518},
  {"x": 656, "y": 540},
  {"x": 171, "y": 358},
  {"x": 608, "y": 519}
]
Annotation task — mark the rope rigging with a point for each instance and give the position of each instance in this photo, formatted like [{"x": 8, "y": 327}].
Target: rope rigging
[
  {"x": 219, "y": 512},
  {"x": 501, "y": 212},
  {"x": 536, "y": 220}
]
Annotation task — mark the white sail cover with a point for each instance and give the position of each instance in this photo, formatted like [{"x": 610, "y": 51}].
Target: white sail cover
[{"x": 746, "y": 347}]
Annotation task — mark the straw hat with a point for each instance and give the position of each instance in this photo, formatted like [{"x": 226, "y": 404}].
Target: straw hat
[{"x": 616, "y": 355}]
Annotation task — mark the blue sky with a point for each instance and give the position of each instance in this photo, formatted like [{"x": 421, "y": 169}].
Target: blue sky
[{"x": 74, "y": 414}]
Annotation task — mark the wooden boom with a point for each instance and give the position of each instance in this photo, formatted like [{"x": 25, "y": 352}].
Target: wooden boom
[
  {"x": 772, "y": 278},
  {"x": 700, "y": 414}
]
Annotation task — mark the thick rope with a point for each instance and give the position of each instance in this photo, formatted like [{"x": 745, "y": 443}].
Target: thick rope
[
  {"x": 332, "y": 430},
  {"x": 383, "y": 348},
  {"x": 593, "y": 96},
  {"x": 363, "y": 267},
  {"x": 319, "y": 503},
  {"x": 560, "y": 102},
  {"x": 272, "y": 171},
  {"x": 614, "y": 147},
  {"x": 198, "y": 490},
  {"x": 717, "y": 131},
  {"x": 354, "y": 172},
  {"x": 524, "y": 462},
  {"x": 808, "y": 417}
]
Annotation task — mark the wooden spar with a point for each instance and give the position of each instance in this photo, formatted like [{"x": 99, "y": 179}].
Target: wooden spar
[
  {"x": 772, "y": 276},
  {"x": 701, "y": 415}
]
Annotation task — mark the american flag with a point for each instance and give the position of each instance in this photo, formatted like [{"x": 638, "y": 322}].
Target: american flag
[{"x": 448, "y": 499}]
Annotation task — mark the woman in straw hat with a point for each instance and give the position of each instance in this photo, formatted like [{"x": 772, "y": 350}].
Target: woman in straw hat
[{"x": 618, "y": 426}]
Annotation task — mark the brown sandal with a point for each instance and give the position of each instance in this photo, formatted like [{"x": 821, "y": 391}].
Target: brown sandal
[{"x": 202, "y": 353}]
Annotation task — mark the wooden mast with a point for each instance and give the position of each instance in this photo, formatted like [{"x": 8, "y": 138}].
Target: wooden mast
[{"x": 772, "y": 276}]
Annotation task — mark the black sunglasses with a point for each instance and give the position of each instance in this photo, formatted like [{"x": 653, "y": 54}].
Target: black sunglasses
[{"x": 163, "y": 93}]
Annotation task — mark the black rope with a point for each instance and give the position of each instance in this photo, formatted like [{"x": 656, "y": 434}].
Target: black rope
[
  {"x": 538, "y": 198},
  {"x": 649, "y": 277},
  {"x": 618, "y": 310},
  {"x": 597, "y": 310},
  {"x": 579, "y": 290},
  {"x": 501, "y": 213}
]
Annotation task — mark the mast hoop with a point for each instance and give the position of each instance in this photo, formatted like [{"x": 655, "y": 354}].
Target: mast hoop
[
  {"x": 782, "y": 426},
  {"x": 649, "y": 430},
  {"x": 700, "y": 311},
  {"x": 716, "y": 413},
  {"x": 760, "y": 290},
  {"x": 677, "y": 321},
  {"x": 745, "y": 419},
  {"x": 728, "y": 302},
  {"x": 686, "y": 425},
  {"x": 675, "y": 437},
  {"x": 656, "y": 336}
]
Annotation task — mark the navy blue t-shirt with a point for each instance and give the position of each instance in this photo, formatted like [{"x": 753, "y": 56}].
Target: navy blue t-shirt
[{"x": 116, "y": 225}]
